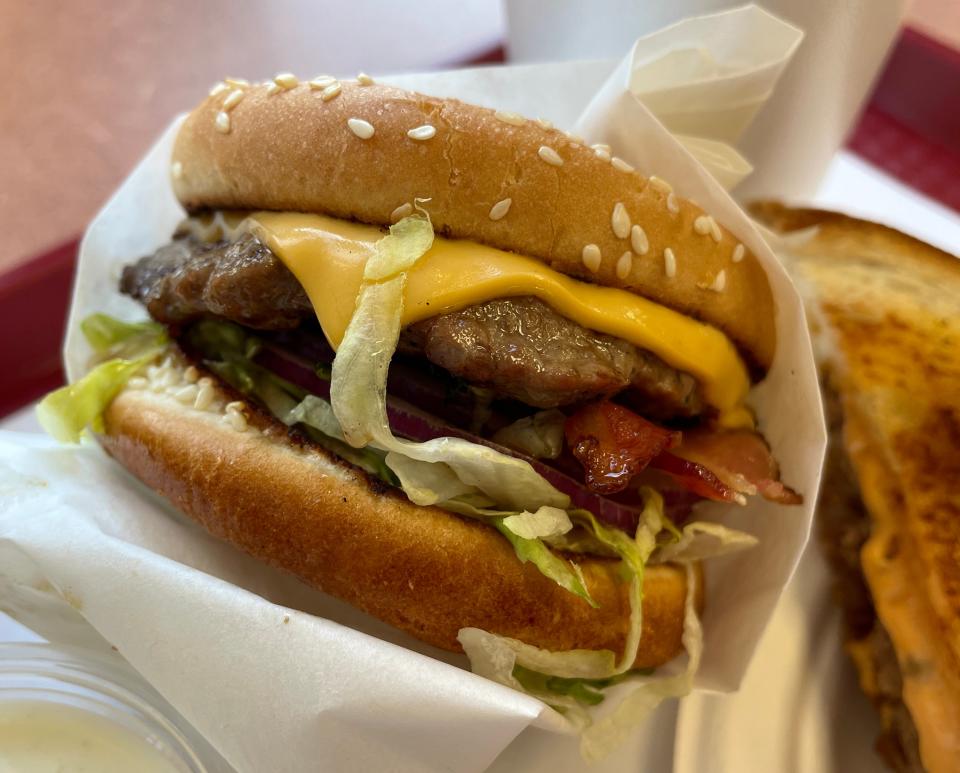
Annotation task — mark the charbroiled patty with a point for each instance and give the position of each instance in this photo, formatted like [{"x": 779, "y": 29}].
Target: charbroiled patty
[
  {"x": 518, "y": 347},
  {"x": 525, "y": 350}
]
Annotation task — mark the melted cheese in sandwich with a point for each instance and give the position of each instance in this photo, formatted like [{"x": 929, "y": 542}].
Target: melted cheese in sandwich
[{"x": 327, "y": 255}]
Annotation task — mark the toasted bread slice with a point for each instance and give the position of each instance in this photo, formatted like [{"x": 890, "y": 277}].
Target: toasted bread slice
[{"x": 886, "y": 317}]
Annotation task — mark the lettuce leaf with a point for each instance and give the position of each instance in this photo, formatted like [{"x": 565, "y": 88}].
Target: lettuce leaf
[
  {"x": 406, "y": 243},
  {"x": 426, "y": 483},
  {"x": 567, "y": 680},
  {"x": 610, "y": 731},
  {"x": 317, "y": 413},
  {"x": 66, "y": 412},
  {"x": 545, "y": 522},
  {"x": 565, "y": 573},
  {"x": 358, "y": 391},
  {"x": 583, "y": 691},
  {"x": 227, "y": 349},
  {"x": 104, "y": 333},
  {"x": 539, "y": 435},
  {"x": 701, "y": 539}
]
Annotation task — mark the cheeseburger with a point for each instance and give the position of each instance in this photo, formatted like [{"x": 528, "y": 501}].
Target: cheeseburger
[{"x": 449, "y": 364}]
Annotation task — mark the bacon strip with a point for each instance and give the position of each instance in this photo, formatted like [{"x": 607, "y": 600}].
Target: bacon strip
[
  {"x": 697, "y": 478},
  {"x": 614, "y": 444},
  {"x": 740, "y": 459}
]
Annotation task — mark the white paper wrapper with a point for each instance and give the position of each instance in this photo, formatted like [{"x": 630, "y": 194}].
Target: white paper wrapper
[{"x": 217, "y": 633}]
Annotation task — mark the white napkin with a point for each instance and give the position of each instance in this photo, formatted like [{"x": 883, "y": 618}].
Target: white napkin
[
  {"x": 327, "y": 687},
  {"x": 704, "y": 79}
]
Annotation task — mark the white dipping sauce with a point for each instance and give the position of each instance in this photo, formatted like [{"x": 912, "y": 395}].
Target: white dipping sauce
[{"x": 41, "y": 737}]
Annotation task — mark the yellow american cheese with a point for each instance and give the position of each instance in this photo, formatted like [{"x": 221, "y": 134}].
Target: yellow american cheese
[{"x": 327, "y": 255}]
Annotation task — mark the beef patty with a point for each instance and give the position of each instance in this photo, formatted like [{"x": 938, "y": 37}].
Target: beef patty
[{"x": 518, "y": 347}]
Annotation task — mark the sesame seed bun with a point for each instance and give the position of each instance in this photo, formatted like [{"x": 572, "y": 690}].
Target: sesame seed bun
[
  {"x": 240, "y": 474},
  {"x": 365, "y": 152}
]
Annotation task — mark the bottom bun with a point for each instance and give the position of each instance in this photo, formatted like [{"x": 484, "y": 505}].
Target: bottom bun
[{"x": 296, "y": 506}]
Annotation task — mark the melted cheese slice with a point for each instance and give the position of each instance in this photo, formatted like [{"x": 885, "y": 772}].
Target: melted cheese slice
[{"x": 327, "y": 255}]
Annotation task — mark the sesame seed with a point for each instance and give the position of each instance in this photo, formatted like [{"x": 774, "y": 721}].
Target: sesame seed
[
  {"x": 237, "y": 421},
  {"x": 186, "y": 395},
  {"x": 236, "y": 405},
  {"x": 604, "y": 155},
  {"x": 223, "y": 122},
  {"x": 364, "y": 80},
  {"x": 176, "y": 170},
  {"x": 544, "y": 123},
  {"x": 514, "y": 119},
  {"x": 363, "y": 129},
  {"x": 702, "y": 225},
  {"x": 619, "y": 163},
  {"x": 639, "y": 241},
  {"x": 719, "y": 282},
  {"x": 191, "y": 374},
  {"x": 601, "y": 146},
  {"x": 661, "y": 185},
  {"x": 273, "y": 88},
  {"x": 574, "y": 138},
  {"x": 620, "y": 220},
  {"x": 401, "y": 212},
  {"x": 624, "y": 265},
  {"x": 331, "y": 91},
  {"x": 499, "y": 210},
  {"x": 549, "y": 155},
  {"x": 738, "y": 252},
  {"x": 205, "y": 395},
  {"x": 218, "y": 89},
  {"x": 715, "y": 231},
  {"x": 672, "y": 204},
  {"x": 591, "y": 257},
  {"x": 237, "y": 83},
  {"x": 424, "y": 132},
  {"x": 321, "y": 82},
  {"x": 286, "y": 80},
  {"x": 232, "y": 100},
  {"x": 669, "y": 263}
]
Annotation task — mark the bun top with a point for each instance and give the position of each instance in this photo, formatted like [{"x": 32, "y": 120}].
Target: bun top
[{"x": 366, "y": 152}]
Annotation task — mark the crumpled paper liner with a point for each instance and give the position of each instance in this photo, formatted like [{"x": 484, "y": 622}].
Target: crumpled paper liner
[{"x": 219, "y": 635}]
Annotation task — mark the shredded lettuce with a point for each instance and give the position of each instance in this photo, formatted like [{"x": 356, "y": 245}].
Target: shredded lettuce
[
  {"x": 607, "y": 733},
  {"x": 228, "y": 349},
  {"x": 317, "y": 413},
  {"x": 700, "y": 539},
  {"x": 580, "y": 664},
  {"x": 568, "y": 681},
  {"x": 574, "y": 680},
  {"x": 426, "y": 483},
  {"x": 358, "y": 391},
  {"x": 545, "y": 522},
  {"x": 104, "y": 333},
  {"x": 406, "y": 243},
  {"x": 66, "y": 412},
  {"x": 565, "y": 573},
  {"x": 539, "y": 435},
  {"x": 583, "y": 691}
]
